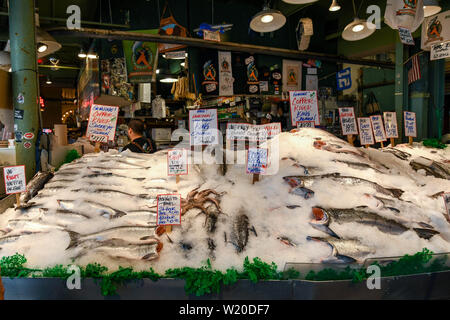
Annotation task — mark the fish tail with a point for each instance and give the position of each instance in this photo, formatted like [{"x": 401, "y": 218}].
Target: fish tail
[
  {"x": 324, "y": 228},
  {"x": 425, "y": 233},
  {"x": 74, "y": 239}
]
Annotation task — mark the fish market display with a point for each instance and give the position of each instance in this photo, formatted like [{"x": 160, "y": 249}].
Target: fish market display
[{"x": 324, "y": 201}]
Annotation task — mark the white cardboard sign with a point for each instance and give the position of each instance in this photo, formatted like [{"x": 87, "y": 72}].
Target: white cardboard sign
[
  {"x": 410, "y": 124},
  {"x": 177, "y": 162},
  {"x": 249, "y": 132},
  {"x": 257, "y": 160},
  {"x": 365, "y": 131},
  {"x": 348, "y": 121},
  {"x": 169, "y": 210},
  {"x": 304, "y": 106},
  {"x": 405, "y": 36},
  {"x": 390, "y": 124},
  {"x": 203, "y": 125},
  {"x": 378, "y": 128},
  {"x": 103, "y": 121},
  {"x": 440, "y": 51},
  {"x": 15, "y": 179}
]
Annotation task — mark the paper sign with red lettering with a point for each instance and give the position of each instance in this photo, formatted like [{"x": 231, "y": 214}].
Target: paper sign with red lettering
[
  {"x": 177, "y": 162},
  {"x": 257, "y": 161},
  {"x": 269, "y": 130},
  {"x": 365, "y": 131},
  {"x": 203, "y": 125},
  {"x": 15, "y": 179},
  {"x": 410, "y": 124},
  {"x": 103, "y": 121},
  {"x": 305, "y": 124},
  {"x": 378, "y": 128},
  {"x": 304, "y": 106},
  {"x": 348, "y": 121},
  {"x": 390, "y": 124},
  {"x": 169, "y": 210}
]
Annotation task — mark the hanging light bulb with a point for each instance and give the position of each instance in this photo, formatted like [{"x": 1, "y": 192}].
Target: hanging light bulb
[
  {"x": 42, "y": 47},
  {"x": 48, "y": 81},
  {"x": 335, "y": 6},
  {"x": 267, "y": 20},
  {"x": 358, "y": 29},
  {"x": 430, "y": 7},
  {"x": 82, "y": 55}
]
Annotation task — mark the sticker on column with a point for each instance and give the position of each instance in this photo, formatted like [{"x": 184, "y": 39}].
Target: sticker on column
[
  {"x": 29, "y": 135},
  {"x": 27, "y": 145},
  {"x": 20, "y": 98}
]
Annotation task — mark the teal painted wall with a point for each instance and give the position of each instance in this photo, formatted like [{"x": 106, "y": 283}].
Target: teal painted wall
[{"x": 384, "y": 94}]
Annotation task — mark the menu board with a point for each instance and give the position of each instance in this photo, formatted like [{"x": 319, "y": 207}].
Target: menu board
[
  {"x": 257, "y": 159},
  {"x": 169, "y": 209},
  {"x": 348, "y": 121},
  {"x": 390, "y": 124},
  {"x": 203, "y": 127},
  {"x": 304, "y": 106},
  {"x": 410, "y": 124},
  {"x": 102, "y": 122},
  {"x": 177, "y": 162},
  {"x": 378, "y": 128},
  {"x": 15, "y": 179},
  {"x": 365, "y": 131}
]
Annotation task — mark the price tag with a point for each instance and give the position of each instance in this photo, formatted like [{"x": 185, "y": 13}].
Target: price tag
[
  {"x": 390, "y": 124},
  {"x": 102, "y": 122},
  {"x": 378, "y": 128},
  {"x": 305, "y": 124},
  {"x": 169, "y": 209},
  {"x": 15, "y": 179},
  {"x": 98, "y": 138},
  {"x": 203, "y": 125},
  {"x": 177, "y": 162},
  {"x": 304, "y": 106},
  {"x": 365, "y": 131},
  {"x": 257, "y": 160},
  {"x": 410, "y": 124},
  {"x": 348, "y": 121}
]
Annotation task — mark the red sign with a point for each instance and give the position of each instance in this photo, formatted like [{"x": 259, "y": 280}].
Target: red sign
[
  {"x": 27, "y": 145},
  {"x": 28, "y": 135},
  {"x": 15, "y": 180}
]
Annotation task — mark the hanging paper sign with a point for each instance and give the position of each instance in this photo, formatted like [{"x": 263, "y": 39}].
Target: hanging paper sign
[
  {"x": 348, "y": 121},
  {"x": 203, "y": 126},
  {"x": 365, "y": 131},
  {"x": 103, "y": 121},
  {"x": 305, "y": 124},
  {"x": 304, "y": 106},
  {"x": 15, "y": 179},
  {"x": 435, "y": 29},
  {"x": 268, "y": 131},
  {"x": 378, "y": 128},
  {"x": 390, "y": 124},
  {"x": 344, "y": 79},
  {"x": 177, "y": 162},
  {"x": 102, "y": 138},
  {"x": 410, "y": 124},
  {"x": 169, "y": 209},
  {"x": 447, "y": 204},
  {"x": 257, "y": 161},
  {"x": 248, "y": 132},
  {"x": 225, "y": 74},
  {"x": 406, "y": 36},
  {"x": 210, "y": 35},
  {"x": 440, "y": 51}
]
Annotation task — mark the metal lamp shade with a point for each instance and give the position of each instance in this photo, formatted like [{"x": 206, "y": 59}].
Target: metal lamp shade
[
  {"x": 334, "y": 6},
  {"x": 350, "y": 35},
  {"x": 430, "y": 7},
  {"x": 44, "y": 37},
  {"x": 299, "y": 1},
  {"x": 278, "y": 21}
]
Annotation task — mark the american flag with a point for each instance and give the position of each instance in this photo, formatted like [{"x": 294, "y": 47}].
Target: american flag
[{"x": 414, "y": 72}]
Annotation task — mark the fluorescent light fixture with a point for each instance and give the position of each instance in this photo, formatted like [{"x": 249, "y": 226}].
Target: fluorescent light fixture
[
  {"x": 168, "y": 80},
  {"x": 358, "y": 30},
  {"x": 430, "y": 7},
  {"x": 92, "y": 56},
  {"x": 82, "y": 55},
  {"x": 267, "y": 20},
  {"x": 334, "y": 6},
  {"x": 42, "y": 47}
]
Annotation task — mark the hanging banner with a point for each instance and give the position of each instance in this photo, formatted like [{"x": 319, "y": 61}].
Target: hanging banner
[
  {"x": 257, "y": 161},
  {"x": 404, "y": 13},
  {"x": 406, "y": 36},
  {"x": 440, "y": 51},
  {"x": 203, "y": 127},
  {"x": 378, "y": 128},
  {"x": 292, "y": 75},
  {"x": 344, "y": 79},
  {"x": 177, "y": 162},
  {"x": 225, "y": 74},
  {"x": 390, "y": 124},
  {"x": 103, "y": 121},
  {"x": 365, "y": 131},
  {"x": 168, "y": 209},
  {"x": 15, "y": 179},
  {"x": 348, "y": 121},
  {"x": 140, "y": 58},
  {"x": 410, "y": 124},
  {"x": 435, "y": 29},
  {"x": 304, "y": 106}
]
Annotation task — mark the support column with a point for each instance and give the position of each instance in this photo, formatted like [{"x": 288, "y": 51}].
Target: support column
[
  {"x": 399, "y": 84},
  {"x": 436, "y": 103},
  {"x": 24, "y": 80}
]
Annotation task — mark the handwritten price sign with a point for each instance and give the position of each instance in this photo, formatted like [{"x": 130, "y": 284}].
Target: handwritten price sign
[
  {"x": 98, "y": 138},
  {"x": 378, "y": 129},
  {"x": 15, "y": 179},
  {"x": 257, "y": 161},
  {"x": 304, "y": 106},
  {"x": 305, "y": 124},
  {"x": 348, "y": 121},
  {"x": 177, "y": 162},
  {"x": 169, "y": 209},
  {"x": 102, "y": 122},
  {"x": 365, "y": 131},
  {"x": 203, "y": 127},
  {"x": 410, "y": 124},
  {"x": 390, "y": 124}
]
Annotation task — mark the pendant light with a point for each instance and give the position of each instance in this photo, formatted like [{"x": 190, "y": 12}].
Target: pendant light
[
  {"x": 334, "y": 6},
  {"x": 430, "y": 7},
  {"x": 299, "y": 1},
  {"x": 358, "y": 29},
  {"x": 46, "y": 44},
  {"x": 267, "y": 20}
]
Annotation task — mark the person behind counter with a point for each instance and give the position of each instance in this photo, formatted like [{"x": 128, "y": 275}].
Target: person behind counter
[{"x": 139, "y": 143}]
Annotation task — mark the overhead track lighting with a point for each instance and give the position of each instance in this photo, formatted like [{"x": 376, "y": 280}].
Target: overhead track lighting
[
  {"x": 267, "y": 20},
  {"x": 431, "y": 7},
  {"x": 334, "y": 6},
  {"x": 358, "y": 29}
]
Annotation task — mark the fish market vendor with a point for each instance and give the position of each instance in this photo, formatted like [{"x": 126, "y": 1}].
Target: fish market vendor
[{"x": 139, "y": 143}]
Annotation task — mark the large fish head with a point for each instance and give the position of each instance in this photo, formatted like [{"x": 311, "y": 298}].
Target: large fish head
[
  {"x": 320, "y": 216},
  {"x": 293, "y": 181}
]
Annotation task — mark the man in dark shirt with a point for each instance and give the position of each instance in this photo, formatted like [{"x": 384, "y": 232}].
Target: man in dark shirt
[{"x": 139, "y": 143}]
